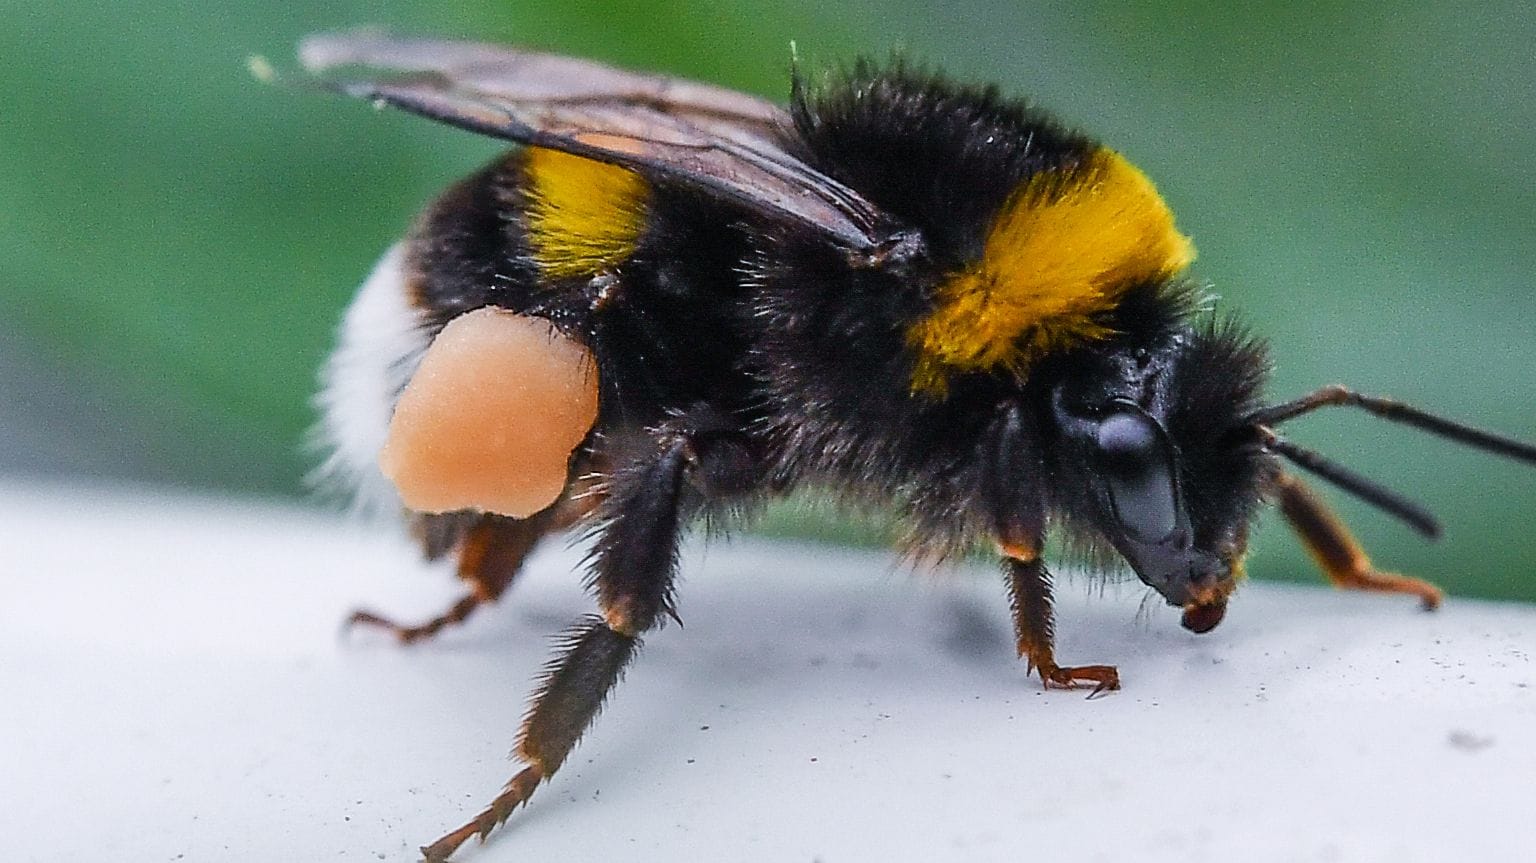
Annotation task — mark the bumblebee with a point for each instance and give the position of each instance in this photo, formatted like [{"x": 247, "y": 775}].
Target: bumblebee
[{"x": 671, "y": 301}]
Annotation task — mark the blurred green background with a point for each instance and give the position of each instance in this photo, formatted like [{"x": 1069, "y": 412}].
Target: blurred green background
[{"x": 177, "y": 242}]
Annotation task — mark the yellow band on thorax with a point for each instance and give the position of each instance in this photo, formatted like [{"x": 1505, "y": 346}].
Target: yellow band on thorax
[
  {"x": 583, "y": 216},
  {"x": 1063, "y": 250}
]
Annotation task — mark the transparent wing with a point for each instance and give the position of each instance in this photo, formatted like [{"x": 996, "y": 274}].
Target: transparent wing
[{"x": 721, "y": 142}]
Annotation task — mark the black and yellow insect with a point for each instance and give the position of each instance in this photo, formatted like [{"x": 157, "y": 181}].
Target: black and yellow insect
[{"x": 898, "y": 289}]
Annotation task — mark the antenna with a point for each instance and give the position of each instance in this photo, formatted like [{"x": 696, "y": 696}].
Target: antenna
[
  {"x": 1339, "y": 396},
  {"x": 1416, "y": 516}
]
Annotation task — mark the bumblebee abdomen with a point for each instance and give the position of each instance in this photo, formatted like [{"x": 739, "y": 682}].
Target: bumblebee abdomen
[
  {"x": 582, "y": 217},
  {"x": 635, "y": 287},
  {"x": 645, "y": 276},
  {"x": 529, "y": 232}
]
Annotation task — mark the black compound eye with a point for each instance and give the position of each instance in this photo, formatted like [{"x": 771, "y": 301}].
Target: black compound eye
[{"x": 1136, "y": 469}]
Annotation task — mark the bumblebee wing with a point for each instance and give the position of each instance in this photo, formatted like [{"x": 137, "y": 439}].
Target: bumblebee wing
[
  {"x": 528, "y": 76},
  {"x": 721, "y": 142}
]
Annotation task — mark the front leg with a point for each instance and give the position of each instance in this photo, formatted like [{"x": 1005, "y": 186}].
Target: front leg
[
  {"x": 1337, "y": 553},
  {"x": 1013, "y": 492},
  {"x": 631, "y": 570},
  {"x": 1034, "y": 624}
]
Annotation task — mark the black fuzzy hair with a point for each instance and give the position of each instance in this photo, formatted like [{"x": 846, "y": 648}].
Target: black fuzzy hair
[
  {"x": 938, "y": 155},
  {"x": 1217, "y": 383}
]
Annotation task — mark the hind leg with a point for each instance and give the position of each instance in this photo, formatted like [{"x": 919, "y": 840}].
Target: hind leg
[
  {"x": 491, "y": 551},
  {"x": 1337, "y": 553}
]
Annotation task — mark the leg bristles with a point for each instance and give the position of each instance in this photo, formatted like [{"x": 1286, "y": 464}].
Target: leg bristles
[{"x": 514, "y": 795}]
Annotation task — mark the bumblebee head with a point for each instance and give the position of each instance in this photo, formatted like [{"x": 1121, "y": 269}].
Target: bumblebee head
[
  {"x": 1161, "y": 449},
  {"x": 1140, "y": 451},
  {"x": 1135, "y": 487}
]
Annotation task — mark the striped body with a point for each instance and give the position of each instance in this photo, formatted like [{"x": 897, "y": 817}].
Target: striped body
[
  {"x": 671, "y": 291},
  {"x": 905, "y": 291}
]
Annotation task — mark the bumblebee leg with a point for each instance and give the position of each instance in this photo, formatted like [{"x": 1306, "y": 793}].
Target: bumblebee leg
[
  {"x": 491, "y": 549},
  {"x": 1337, "y": 553},
  {"x": 1034, "y": 624},
  {"x": 632, "y": 570},
  {"x": 491, "y": 554}
]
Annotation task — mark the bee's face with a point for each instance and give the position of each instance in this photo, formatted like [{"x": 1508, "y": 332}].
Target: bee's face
[
  {"x": 1130, "y": 472},
  {"x": 1137, "y": 474},
  {"x": 1157, "y": 465}
]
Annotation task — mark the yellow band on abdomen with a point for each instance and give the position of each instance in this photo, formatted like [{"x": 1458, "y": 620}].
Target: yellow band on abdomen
[{"x": 583, "y": 216}]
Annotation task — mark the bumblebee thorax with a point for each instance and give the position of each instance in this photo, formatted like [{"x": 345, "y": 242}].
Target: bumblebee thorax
[{"x": 1062, "y": 251}]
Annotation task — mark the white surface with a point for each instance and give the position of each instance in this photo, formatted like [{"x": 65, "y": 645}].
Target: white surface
[{"x": 174, "y": 689}]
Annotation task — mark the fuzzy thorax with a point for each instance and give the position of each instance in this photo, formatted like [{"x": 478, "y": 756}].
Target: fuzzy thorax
[{"x": 1063, "y": 250}]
